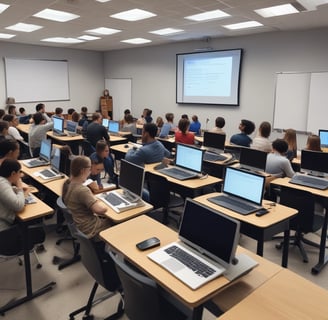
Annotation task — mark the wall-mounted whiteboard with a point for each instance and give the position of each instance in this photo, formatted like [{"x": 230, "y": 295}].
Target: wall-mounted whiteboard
[
  {"x": 301, "y": 101},
  {"x": 29, "y": 80}
]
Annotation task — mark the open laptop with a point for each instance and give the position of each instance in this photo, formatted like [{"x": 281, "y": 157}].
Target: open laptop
[
  {"x": 214, "y": 143},
  {"x": 252, "y": 159},
  {"x": 188, "y": 163},
  {"x": 323, "y": 134},
  {"x": 71, "y": 128},
  {"x": 58, "y": 128},
  {"x": 105, "y": 122},
  {"x": 54, "y": 171},
  {"x": 131, "y": 181},
  {"x": 44, "y": 156},
  {"x": 242, "y": 191},
  {"x": 113, "y": 127},
  {"x": 209, "y": 239}
]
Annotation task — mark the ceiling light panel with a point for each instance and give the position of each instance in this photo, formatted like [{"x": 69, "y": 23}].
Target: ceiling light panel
[
  {"x": 6, "y": 36},
  {"x": 56, "y": 15},
  {"x": 62, "y": 40},
  {"x": 3, "y": 7},
  {"x": 88, "y": 38},
  {"x": 166, "y": 31},
  {"x": 24, "y": 27},
  {"x": 276, "y": 11},
  {"x": 243, "y": 25},
  {"x": 133, "y": 15},
  {"x": 208, "y": 15},
  {"x": 136, "y": 41},
  {"x": 103, "y": 31}
]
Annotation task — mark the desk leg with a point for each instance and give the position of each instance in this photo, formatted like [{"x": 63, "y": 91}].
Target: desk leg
[
  {"x": 322, "y": 258},
  {"x": 284, "y": 261},
  {"x": 197, "y": 313},
  {"x": 28, "y": 278},
  {"x": 260, "y": 244}
]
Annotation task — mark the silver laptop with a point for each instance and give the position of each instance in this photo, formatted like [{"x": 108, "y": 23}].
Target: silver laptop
[
  {"x": 54, "y": 171},
  {"x": 188, "y": 163},
  {"x": 71, "y": 128},
  {"x": 44, "y": 156},
  {"x": 208, "y": 238},
  {"x": 242, "y": 191}
]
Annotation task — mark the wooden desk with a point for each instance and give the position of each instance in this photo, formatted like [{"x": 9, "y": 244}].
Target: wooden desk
[
  {"x": 114, "y": 140},
  {"x": 122, "y": 238},
  {"x": 322, "y": 194},
  {"x": 65, "y": 139},
  {"x": 30, "y": 212},
  {"x": 286, "y": 296},
  {"x": 260, "y": 228},
  {"x": 119, "y": 150}
]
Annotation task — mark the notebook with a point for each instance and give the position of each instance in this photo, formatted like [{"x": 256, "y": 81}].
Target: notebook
[
  {"x": 71, "y": 128},
  {"x": 309, "y": 181},
  {"x": 54, "y": 171},
  {"x": 242, "y": 191},
  {"x": 214, "y": 146},
  {"x": 44, "y": 156},
  {"x": 188, "y": 163},
  {"x": 208, "y": 238}
]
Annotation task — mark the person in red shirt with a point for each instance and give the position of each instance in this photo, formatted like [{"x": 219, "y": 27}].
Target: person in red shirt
[{"x": 183, "y": 135}]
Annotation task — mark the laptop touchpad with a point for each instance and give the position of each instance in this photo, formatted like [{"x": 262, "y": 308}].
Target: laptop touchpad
[{"x": 173, "y": 265}]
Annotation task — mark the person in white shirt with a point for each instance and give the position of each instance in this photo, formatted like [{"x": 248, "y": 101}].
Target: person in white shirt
[
  {"x": 261, "y": 141},
  {"x": 12, "y": 130},
  {"x": 219, "y": 124}
]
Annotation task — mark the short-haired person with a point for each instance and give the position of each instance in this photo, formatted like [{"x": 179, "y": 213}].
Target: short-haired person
[
  {"x": 96, "y": 131},
  {"x": 246, "y": 128},
  {"x": 40, "y": 107},
  {"x": 290, "y": 138},
  {"x": 183, "y": 135},
  {"x": 219, "y": 124},
  {"x": 277, "y": 164},
  {"x": 9, "y": 149},
  {"x": 59, "y": 112},
  {"x": 12, "y": 110},
  {"x": 168, "y": 125},
  {"x": 313, "y": 143},
  {"x": 195, "y": 125},
  {"x": 12, "y": 130},
  {"x": 261, "y": 141},
  {"x": 4, "y": 126},
  {"x": 97, "y": 166},
  {"x": 151, "y": 151}
]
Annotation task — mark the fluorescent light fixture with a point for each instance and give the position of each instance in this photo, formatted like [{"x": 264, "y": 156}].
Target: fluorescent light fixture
[
  {"x": 3, "y": 7},
  {"x": 88, "y": 38},
  {"x": 166, "y": 31},
  {"x": 56, "y": 15},
  {"x": 102, "y": 1},
  {"x": 243, "y": 25},
  {"x": 103, "y": 31},
  {"x": 24, "y": 27},
  {"x": 62, "y": 40},
  {"x": 133, "y": 15},
  {"x": 311, "y": 5},
  {"x": 136, "y": 41},
  {"x": 208, "y": 15},
  {"x": 6, "y": 36},
  {"x": 276, "y": 11}
]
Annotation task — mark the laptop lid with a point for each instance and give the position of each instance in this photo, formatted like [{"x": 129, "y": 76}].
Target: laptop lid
[
  {"x": 252, "y": 159},
  {"x": 323, "y": 134},
  {"x": 55, "y": 160},
  {"x": 113, "y": 127},
  {"x": 71, "y": 126},
  {"x": 214, "y": 141},
  {"x": 209, "y": 232},
  {"x": 58, "y": 124},
  {"x": 189, "y": 157},
  {"x": 244, "y": 185},
  {"x": 45, "y": 150},
  {"x": 105, "y": 122}
]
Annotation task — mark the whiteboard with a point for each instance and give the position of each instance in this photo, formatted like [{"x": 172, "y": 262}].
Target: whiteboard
[
  {"x": 29, "y": 80},
  {"x": 121, "y": 91},
  {"x": 300, "y": 101}
]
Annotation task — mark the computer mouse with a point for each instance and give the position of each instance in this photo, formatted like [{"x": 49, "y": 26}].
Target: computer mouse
[{"x": 126, "y": 146}]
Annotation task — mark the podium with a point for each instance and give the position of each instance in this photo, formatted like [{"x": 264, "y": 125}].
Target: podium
[{"x": 106, "y": 106}]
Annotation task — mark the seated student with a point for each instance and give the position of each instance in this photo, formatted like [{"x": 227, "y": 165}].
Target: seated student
[
  {"x": 129, "y": 124},
  {"x": 159, "y": 123},
  {"x": 84, "y": 116},
  {"x": 262, "y": 142},
  {"x": 145, "y": 117},
  {"x": 12, "y": 130},
  {"x": 277, "y": 164},
  {"x": 97, "y": 166},
  {"x": 12, "y": 110},
  {"x": 168, "y": 126},
  {"x": 58, "y": 113},
  {"x": 40, "y": 107},
  {"x": 246, "y": 128},
  {"x": 290, "y": 138},
  {"x": 151, "y": 151},
  {"x": 2, "y": 113},
  {"x": 23, "y": 117},
  {"x": 313, "y": 143},
  {"x": 195, "y": 125},
  {"x": 219, "y": 124},
  {"x": 183, "y": 135},
  {"x": 184, "y": 116},
  {"x": 9, "y": 149},
  {"x": 4, "y": 126},
  {"x": 123, "y": 121}
]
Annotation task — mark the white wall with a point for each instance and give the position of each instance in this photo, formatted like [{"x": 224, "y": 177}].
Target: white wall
[
  {"x": 86, "y": 74},
  {"x": 152, "y": 70}
]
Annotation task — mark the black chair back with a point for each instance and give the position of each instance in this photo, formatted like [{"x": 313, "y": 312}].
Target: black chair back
[
  {"x": 11, "y": 241},
  {"x": 159, "y": 190}
]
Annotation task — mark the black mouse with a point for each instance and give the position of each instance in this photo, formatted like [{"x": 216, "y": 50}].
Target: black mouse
[{"x": 126, "y": 146}]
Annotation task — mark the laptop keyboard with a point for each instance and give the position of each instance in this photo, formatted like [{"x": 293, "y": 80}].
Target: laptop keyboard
[
  {"x": 114, "y": 200},
  {"x": 190, "y": 261},
  {"x": 36, "y": 162},
  {"x": 176, "y": 173},
  {"x": 313, "y": 182},
  {"x": 208, "y": 156},
  {"x": 47, "y": 173},
  {"x": 233, "y": 204}
]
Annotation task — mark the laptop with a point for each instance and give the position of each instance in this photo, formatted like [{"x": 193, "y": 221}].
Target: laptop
[
  {"x": 214, "y": 146},
  {"x": 252, "y": 159},
  {"x": 54, "y": 171},
  {"x": 242, "y": 191},
  {"x": 188, "y": 163},
  {"x": 58, "y": 128},
  {"x": 44, "y": 156},
  {"x": 105, "y": 123},
  {"x": 323, "y": 134},
  {"x": 71, "y": 128},
  {"x": 209, "y": 239},
  {"x": 113, "y": 127}
]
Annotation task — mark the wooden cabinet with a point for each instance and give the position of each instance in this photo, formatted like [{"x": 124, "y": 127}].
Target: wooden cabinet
[{"x": 106, "y": 106}]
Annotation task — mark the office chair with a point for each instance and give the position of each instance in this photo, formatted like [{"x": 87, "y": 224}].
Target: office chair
[
  {"x": 306, "y": 221},
  {"x": 87, "y": 148},
  {"x": 102, "y": 269},
  {"x": 63, "y": 263},
  {"x": 160, "y": 196},
  {"x": 142, "y": 297}
]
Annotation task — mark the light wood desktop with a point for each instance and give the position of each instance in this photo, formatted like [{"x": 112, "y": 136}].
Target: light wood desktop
[
  {"x": 24, "y": 128},
  {"x": 65, "y": 139},
  {"x": 285, "y": 296},
  {"x": 323, "y": 195},
  {"x": 260, "y": 228},
  {"x": 123, "y": 238}
]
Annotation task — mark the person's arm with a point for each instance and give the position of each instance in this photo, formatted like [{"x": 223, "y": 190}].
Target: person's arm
[
  {"x": 287, "y": 168},
  {"x": 13, "y": 197},
  {"x": 99, "y": 208},
  {"x": 15, "y": 133},
  {"x": 135, "y": 156}
]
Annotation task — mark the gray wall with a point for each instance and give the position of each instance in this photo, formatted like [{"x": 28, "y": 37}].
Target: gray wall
[{"x": 152, "y": 70}]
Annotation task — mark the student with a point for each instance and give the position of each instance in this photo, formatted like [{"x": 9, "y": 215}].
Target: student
[
  {"x": 159, "y": 123},
  {"x": 184, "y": 116},
  {"x": 22, "y": 112},
  {"x": 195, "y": 125},
  {"x": 246, "y": 128},
  {"x": 96, "y": 131},
  {"x": 143, "y": 119},
  {"x": 4, "y": 126},
  {"x": 12, "y": 110},
  {"x": 40, "y": 107},
  {"x": 277, "y": 164},
  {"x": 23, "y": 117},
  {"x": 262, "y": 142},
  {"x": 290, "y": 138},
  {"x": 59, "y": 112},
  {"x": 2, "y": 113},
  {"x": 313, "y": 143},
  {"x": 84, "y": 116},
  {"x": 9, "y": 149},
  {"x": 12, "y": 130},
  {"x": 183, "y": 135},
  {"x": 97, "y": 166},
  {"x": 168, "y": 126},
  {"x": 123, "y": 121},
  {"x": 129, "y": 125},
  {"x": 219, "y": 124}
]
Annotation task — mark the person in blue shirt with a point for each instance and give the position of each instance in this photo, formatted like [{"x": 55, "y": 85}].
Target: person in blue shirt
[
  {"x": 195, "y": 125},
  {"x": 168, "y": 126},
  {"x": 246, "y": 128}
]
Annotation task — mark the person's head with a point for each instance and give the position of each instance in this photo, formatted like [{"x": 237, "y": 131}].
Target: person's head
[
  {"x": 126, "y": 112},
  {"x": 59, "y": 111},
  {"x": 159, "y": 122},
  {"x": 194, "y": 118},
  {"x": 290, "y": 137},
  {"x": 246, "y": 126},
  {"x": 84, "y": 110},
  {"x": 265, "y": 129},
  {"x": 280, "y": 145},
  {"x": 149, "y": 132},
  {"x": 9, "y": 149},
  {"x": 70, "y": 111},
  {"x": 2, "y": 113},
  {"x": 313, "y": 143},
  {"x": 102, "y": 149},
  {"x": 21, "y": 110},
  {"x": 169, "y": 117},
  {"x": 219, "y": 122},
  {"x": 75, "y": 116},
  {"x": 80, "y": 167},
  {"x": 185, "y": 116},
  {"x": 40, "y": 107},
  {"x": 183, "y": 125},
  {"x": 12, "y": 109},
  {"x": 96, "y": 117},
  {"x": 4, "y": 125},
  {"x": 128, "y": 118},
  {"x": 106, "y": 93},
  {"x": 97, "y": 165},
  {"x": 144, "y": 112},
  {"x": 38, "y": 118},
  {"x": 10, "y": 169},
  {"x": 11, "y": 119}
]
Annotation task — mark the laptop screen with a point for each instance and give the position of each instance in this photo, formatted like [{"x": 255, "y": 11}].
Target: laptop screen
[
  {"x": 113, "y": 126},
  {"x": 58, "y": 124},
  {"x": 189, "y": 157},
  {"x": 245, "y": 185},
  {"x": 71, "y": 126},
  {"x": 55, "y": 160},
  {"x": 45, "y": 150},
  {"x": 314, "y": 162},
  {"x": 323, "y": 134},
  {"x": 209, "y": 232},
  {"x": 105, "y": 122},
  {"x": 252, "y": 159},
  {"x": 214, "y": 141}
]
